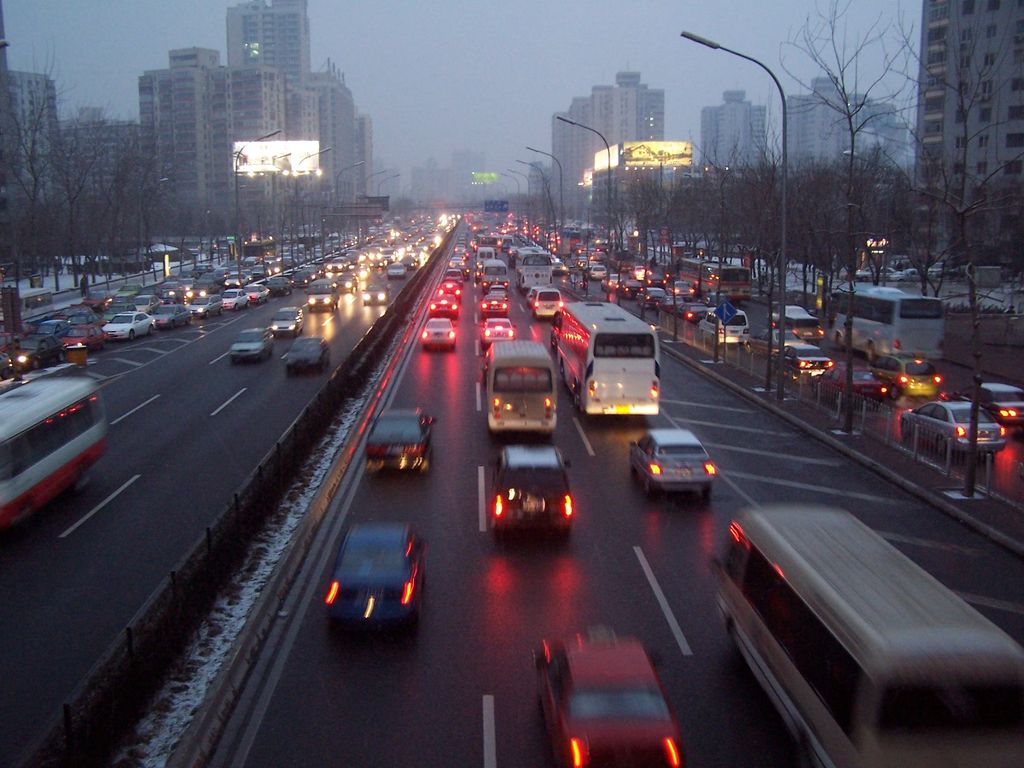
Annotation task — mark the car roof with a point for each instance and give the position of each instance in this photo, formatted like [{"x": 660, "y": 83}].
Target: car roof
[
  {"x": 997, "y": 388},
  {"x": 673, "y": 437},
  {"x": 537, "y": 456},
  {"x": 603, "y": 662},
  {"x": 806, "y": 349},
  {"x": 394, "y": 534}
]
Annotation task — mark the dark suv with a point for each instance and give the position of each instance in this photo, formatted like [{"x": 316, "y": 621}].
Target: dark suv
[{"x": 531, "y": 490}]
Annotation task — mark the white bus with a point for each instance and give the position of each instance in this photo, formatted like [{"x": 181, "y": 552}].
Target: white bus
[
  {"x": 888, "y": 321},
  {"x": 533, "y": 269},
  {"x": 494, "y": 272},
  {"x": 869, "y": 660},
  {"x": 52, "y": 430},
  {"x": 608, "y": 358},
  {"x": 521, "y": 394}
]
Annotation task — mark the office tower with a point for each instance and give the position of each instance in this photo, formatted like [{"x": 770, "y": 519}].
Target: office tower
[
  {"x": 732, "y": 133},
  {"x": 364, "y": 152},
  {"x": 337, "y": 130},
  {"x": 270, "y": 35}
]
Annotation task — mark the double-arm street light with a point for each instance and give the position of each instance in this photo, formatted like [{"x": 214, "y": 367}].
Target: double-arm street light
[
  {"x": 337, "y": 177},
  {"x": 385, "y": 180},
  {"x": 547, "y": 187},
  {"x": 608, "y": 149},
  {"x": 510, "y": 176},
  {"x": 781, "y": 267},
  {"x": 238, "y": 221},
  {"x": 375, "y": 173},
  {"x": 295, "y": 175},
  {"x": 561, "y": 198}
]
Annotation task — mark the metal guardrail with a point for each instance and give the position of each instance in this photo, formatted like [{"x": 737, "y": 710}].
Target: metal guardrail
[{"x": 115, "y": 691}]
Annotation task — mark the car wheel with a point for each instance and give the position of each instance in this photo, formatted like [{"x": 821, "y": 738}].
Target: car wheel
[{"x": 131, "y": 334}]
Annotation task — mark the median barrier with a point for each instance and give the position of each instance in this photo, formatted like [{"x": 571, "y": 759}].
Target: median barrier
[{"x": 114, "y": 693}]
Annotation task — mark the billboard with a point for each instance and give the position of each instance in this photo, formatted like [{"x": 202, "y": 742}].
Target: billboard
[
  {"x": 485, "y": 177},
  {"x": 647, "y": 154},
  {"x": 277, "y": 156}
]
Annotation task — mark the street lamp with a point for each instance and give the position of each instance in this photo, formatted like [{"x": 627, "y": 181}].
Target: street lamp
[
  {"x": 238, "y": 221},
  {"x": 386, "y": 179},
  {"x": 510, "y": 176},
  {"x": 337, "y": 176},
  {"x": 540, "y": 169},
  {"x": 608, "y": 149},
  {"x": 295, "y": 175},
  {"x": 375, "y": 173},
  {"x": 561, "y": 199},
  {"x": 781, "y": 268}
]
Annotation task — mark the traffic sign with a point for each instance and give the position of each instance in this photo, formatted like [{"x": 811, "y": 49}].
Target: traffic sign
[
  {"x": 496, "y": 206},
  {"x": 725, "y": 312}
]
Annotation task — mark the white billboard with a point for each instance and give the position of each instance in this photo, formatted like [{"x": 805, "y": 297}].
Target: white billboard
[{"x": 293, "y": 157}]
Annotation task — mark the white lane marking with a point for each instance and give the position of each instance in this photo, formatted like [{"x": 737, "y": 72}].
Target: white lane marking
[
  {"x": 98, "y": 507},
  {"x": 775, "y": 454},
  {"x": 481, "y": 500},
  {"x": 583, "y": 436},
  {"x": 810, "y": 487},
  {"x": 746, "y": 496},
  {"x": 478, "y": 348},
  {"x": 227, "y": 402},
  {"x": 665, "y": 609},
  {"x": 479, "y": 402},
  {"x": 991, "y": 602},
  {"x": 218, "y": 358},
  {"x": 720, "y": 425},
  {"x": 929, "y": 543},
  {"x": 133, "y": 410},
  {"x": 154, "y": 350},
  {"x": 490, "y": 746},
  {"x": 711, "y": 406},
  {"x": 127, "y": 361}
]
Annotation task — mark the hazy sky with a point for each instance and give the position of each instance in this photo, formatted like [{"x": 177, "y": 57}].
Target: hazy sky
[{"x": 452, "y": 74}]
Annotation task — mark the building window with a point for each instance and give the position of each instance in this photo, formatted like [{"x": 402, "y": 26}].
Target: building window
[
  {"x": 985, "y": 114},
  {"x": 1014, "y": 140},
  {"x": 934, "y": 103},
  {"x": 983, "y": 140},
  {"x": 990, "y": 59},
  {"x": 1017, "y": 84},
  {"x": 967, "y": 7},
  {"x": 965, "y": 61},
  {"x": 982, "y": 169},
  {"x": 1013, "y": 168},
  {"x": 991, "y": 30},
  {"x": 936, "y": 35},
  {"x": 1016, "y": 112},
  {"x": 993, "y": 5}
]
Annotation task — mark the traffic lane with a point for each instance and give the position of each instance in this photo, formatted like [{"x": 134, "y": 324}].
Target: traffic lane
[
  {"x": 170, "y": 446},
  {"x": 511, "y": 598}
]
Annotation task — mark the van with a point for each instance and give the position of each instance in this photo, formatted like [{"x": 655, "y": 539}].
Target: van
[
  {"x": 803, "y": 323},
  {"x": 484, "y": 253},
  {"x": 521, "y": 393},
  {"x": 544, "y": 302},
  {"x": 736, "y": 331}
]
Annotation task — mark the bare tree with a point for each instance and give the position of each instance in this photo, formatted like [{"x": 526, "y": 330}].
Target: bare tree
[{"x": 73, "y": 159}]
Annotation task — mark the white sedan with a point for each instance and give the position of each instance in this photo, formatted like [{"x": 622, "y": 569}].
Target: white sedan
[
  {"x": 128, "y": 325},
  {"x": 234, "y": 298},
  {"x": 257, "y": 293},
  {"x": 438, "y": 333}
]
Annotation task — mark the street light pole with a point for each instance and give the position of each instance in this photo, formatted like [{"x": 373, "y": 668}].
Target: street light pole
[
  {"x": 547, "y": 188},
  {"x": 385, "y": 180},
  {"x": 375, "y": 173},
  {"x": 781, "y": 268},
  {"x": 608, "y": 149},
  {"x": 510, "y": 176},
  {"x": 561, "y": 199},
  {"x": 238, "y": 221},
  {"x": 337, "y": 177}
]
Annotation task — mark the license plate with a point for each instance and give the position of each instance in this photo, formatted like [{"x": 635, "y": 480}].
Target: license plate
[{"x": 621, "y": 409}]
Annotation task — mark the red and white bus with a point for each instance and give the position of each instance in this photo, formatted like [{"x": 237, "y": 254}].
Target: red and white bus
[
  {"x": 52, "y": 430},
  {"x": 729, "y": 281},
  {"x": 608, "y": 358}
]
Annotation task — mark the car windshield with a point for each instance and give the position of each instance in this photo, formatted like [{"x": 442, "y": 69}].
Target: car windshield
[
  {"x": 248, "y": 337},
  {"x": 618, "y": 704},
  {"x": 962, "y": 413},
  {"x": 122, "y": 319},
  {"x": 536, "y": 479}
]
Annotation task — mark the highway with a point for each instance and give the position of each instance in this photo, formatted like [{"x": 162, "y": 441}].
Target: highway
[
  {"x": 186, "y": 429},
  {"x": 461, "y": 689}
]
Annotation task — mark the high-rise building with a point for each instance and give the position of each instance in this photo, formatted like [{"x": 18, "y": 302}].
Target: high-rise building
[
  {"x": 337, "y": 130},
  {"x": 364, "y": 153},
  {"x": 272, "y": 35},
  {"x": 733, "y": 132},
  {"x": 6, "y": 148}
]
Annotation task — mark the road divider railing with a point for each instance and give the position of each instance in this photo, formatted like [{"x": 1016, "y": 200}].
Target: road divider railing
[{"x": 111, "y": 697}]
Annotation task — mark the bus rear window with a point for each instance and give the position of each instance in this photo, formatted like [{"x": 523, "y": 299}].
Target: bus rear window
[
  {"x": 921, "y": 309},
  {"x": 624, "y": 345},
  {"x": 923, "y": 708},
  {"x": 522, "y": 379}
]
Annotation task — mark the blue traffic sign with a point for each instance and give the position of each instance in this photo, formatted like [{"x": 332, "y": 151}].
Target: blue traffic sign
[
  {"x": 725, "y": 312},
  {"x": 496, "y": 206}
]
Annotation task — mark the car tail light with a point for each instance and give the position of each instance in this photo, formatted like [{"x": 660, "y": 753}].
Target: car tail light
[
  {"x": 938, "y": 379},
  {"x": 483, "y": 305},
  {"x": 592, "y": 388},
  {"x": 804, "y": 364},
  {"x": 961, "y": 432},
  {"x": 672, "y": 752},
  {"x": 440, "y": 291},
  {"x": 423, "y": 335},
  {"x": 547, "y": 407},
  {"x": 451, "y": 334},
  {"x": 567, "y": 505},
  {"x": 904, "y": 379},
  {"x": 454, "y": 306},
  {"x": 487, "y": 332},
  {"x": 511, "y": 332},
  {"x": 536, "y": 305},
  {"x": 1011, "y": 412},
  {"x": 655, "y": 469},
  {"x": 498, "y": 506},
  {"x": 332, "y": 592},
  {"x": 1002, "y": 431},
  {"x": 561, "y": 304},
  {"x": 578, "y": 752},
  {"x": 655, "y": 388},
  {"x": 883, "y": 390},
  {"x": 710, "y": 468},
  {"x": 504, "y": 305},
  {"x": 433, "y": 306},
  {"x": 407, "y": 590}
]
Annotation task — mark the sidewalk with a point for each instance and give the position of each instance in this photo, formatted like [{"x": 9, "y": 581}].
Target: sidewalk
[{"x": 998, "y": 521}]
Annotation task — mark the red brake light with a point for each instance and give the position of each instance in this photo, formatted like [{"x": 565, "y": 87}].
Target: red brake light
[
  {"x": 498, "y": 508},
  {"x": 654, "y": 389},
  {"x": 961, "y": 432},
  {"x": 904, "y": 379},
  {"x": 654, "y": 468},
  {"x": 579, "y": 754},
  {"x": 672, "y": 752},
  {"x": 567, "y": 505},
  {"x": 407, "y": 590},
  {"x": 332, "y": 592},
  {"x": 938, "y": 379},
  {"x": 710, "y": 468},
  {"x": 1002, "y": 431},
  {"x": 487, "y": 332},
  {"x": 433, "y": 305}
]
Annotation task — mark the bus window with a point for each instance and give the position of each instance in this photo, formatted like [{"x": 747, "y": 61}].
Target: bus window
[
  {"x": 624, "y": 345},
  {"x": 522, "y": 379}
]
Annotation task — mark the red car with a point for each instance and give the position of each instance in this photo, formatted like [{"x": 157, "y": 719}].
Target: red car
[
  {"x": 89, "y": 335},
  {"x": 864, "y": 382},
  {"x": 444, "y": 306},
  {"x": 494, "y": 306},
  {"x": 605, "y": 706},
  {"x": 450, "y": 288}
]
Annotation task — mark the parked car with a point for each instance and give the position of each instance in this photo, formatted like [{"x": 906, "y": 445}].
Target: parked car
[
  {"x": 940, "y": 423},
  {"x": 89, "y": 336},
  {"x": 307, "y": 353},
  {"x": 6, "y": 366},
  {"x": 400, "y": 439},
  {"x": 378, "y": 576},
  {"x": 36, "y": 351},
  {"x": 204, "y": 306},
  {"x": 171, "y": 316},
  {"x": 252, "y": 344},
  {"x": 128, "y": 325},
  {"x": 906, "y": 375},
  {"x": 672, "y": 460}
]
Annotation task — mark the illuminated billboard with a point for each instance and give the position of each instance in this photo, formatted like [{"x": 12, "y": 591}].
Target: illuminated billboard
[
  {"x": 485, "y": 177},
  {"x": 646, "y": 154},
  {"x": 296, "y": 157}
]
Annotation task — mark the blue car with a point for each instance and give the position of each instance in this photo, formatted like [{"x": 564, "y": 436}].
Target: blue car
[{"x": 378, "y": 576}]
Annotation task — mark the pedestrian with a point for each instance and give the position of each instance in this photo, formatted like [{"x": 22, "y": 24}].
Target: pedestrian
[{"x": 83, "y": 285}]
